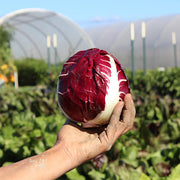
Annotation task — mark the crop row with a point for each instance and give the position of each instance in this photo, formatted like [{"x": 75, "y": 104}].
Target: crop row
[{"x": 30, "y": 120}]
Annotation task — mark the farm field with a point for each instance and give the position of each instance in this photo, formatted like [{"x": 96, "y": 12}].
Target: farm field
[{"x": 30, "y": 120}]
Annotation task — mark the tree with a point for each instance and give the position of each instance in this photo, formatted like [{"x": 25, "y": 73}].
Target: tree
[
  {"x": 5, "y": 51},
  {"x": 5, "y": 37}
]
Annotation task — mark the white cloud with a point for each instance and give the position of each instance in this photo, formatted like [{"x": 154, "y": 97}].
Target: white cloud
[{"x": 97, "y": 19}]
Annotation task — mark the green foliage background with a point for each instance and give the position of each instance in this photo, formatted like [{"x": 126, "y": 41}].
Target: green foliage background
[
  {"x": 5, "y": 37},
  {"x": 30, "y": 120}
]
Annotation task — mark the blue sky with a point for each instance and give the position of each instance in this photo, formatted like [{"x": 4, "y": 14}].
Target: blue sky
[{"x": 85, "y": 12}]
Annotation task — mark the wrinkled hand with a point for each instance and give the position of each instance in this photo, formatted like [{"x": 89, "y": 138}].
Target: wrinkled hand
[{"x": 82, "y": 144}]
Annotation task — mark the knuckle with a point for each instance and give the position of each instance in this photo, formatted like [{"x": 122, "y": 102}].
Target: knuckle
[
  {"x": 134, "y": 111},
  {"x": 108, "y": 146},
  {"x": 104, "y": 147},
  {"x": 130, "y": 125}
]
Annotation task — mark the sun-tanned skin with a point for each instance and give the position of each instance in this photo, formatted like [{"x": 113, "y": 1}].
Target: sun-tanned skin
[{"x": 74, "y": 146}]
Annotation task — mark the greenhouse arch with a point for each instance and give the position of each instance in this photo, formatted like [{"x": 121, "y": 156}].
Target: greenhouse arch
[{"x": 32, "y": 26}]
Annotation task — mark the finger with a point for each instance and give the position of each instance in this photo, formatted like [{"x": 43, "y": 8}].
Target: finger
[
  {"x": 129, "y": 108},
  {"x": 128, "y": 115},
  {"x": 114, "y": 120},
  {"x": 129, "y": 104}
]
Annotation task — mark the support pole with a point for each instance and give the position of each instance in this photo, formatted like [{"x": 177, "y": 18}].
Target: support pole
[
  {"x": 48, "y": 51},
  {"x": 55, "y": 50},
  {"x": 132, "y": 49},
  {"x": 174, "y": 47},
  {"x": 16, "y": 83},
  {"x": 144, "y": 46}
]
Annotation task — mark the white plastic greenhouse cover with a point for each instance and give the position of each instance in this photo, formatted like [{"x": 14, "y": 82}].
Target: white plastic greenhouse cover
[
  {"x": 32, "y": 26},
  {"x": 159, "y": 48}
]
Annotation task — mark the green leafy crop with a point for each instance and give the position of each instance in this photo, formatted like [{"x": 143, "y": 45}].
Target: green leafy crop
[{"x": 30, "y": 121}]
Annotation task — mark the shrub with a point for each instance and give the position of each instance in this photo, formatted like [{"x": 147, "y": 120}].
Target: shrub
[
  {"x": 31, "y": 71},
  {"x": 35, "y": 72}
]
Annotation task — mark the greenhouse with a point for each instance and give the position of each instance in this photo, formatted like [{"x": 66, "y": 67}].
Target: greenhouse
[
  {"x": 33, "y": 127},
  {"x": 159, "y": 48},
  {"x": 34, "y": 29},
  {"x": 43, "y": 34}
]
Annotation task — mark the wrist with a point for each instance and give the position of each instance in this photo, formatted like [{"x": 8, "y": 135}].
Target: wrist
[{"x": 63, "y": 158}]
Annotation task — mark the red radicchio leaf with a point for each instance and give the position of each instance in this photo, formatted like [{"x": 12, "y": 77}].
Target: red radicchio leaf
[
  {"x": 100, "y": 160},
  {"x": 163, "y": 168},
  {"x": 86, "y": 85}
]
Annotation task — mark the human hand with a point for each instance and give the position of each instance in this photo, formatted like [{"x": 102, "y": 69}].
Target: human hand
[
  {"x": 82, "y": 144},
  {"x": 74, "y": 146}
]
